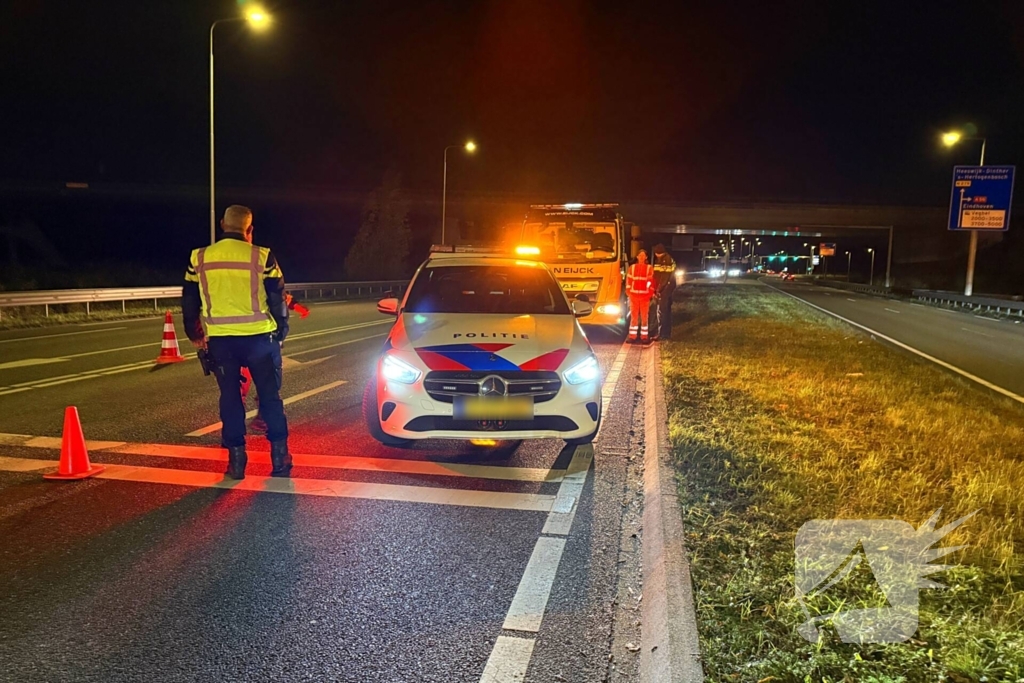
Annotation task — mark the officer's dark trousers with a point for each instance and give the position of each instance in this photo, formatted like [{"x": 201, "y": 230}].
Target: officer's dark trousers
[
  {"x": 665, "y": 313},
  {"x": 262, "y": 355}
]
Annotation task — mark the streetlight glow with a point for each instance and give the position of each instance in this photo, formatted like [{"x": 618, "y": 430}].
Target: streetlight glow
[
  {"x": 257, "y": 17},
  {"x": 470, "y": 146},
  {"x": 951, "y": 138}
]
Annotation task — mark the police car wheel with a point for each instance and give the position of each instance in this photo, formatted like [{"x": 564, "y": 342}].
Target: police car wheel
[{"x": 372, "y": 419}]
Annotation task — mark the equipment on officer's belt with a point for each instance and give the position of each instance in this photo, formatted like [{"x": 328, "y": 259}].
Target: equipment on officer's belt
[{"x": 205, "y": 361}]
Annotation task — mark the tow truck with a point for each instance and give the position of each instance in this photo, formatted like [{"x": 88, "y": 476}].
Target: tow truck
[{"x": 586, "y": 247}]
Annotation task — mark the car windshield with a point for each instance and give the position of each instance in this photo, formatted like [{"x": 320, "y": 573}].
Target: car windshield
[
  {"x": 513, "y": 290},
  {"x": 577, "y": 241}
]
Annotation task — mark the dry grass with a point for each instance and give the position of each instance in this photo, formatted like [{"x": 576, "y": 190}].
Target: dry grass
[{"x": 780, "y": 415}]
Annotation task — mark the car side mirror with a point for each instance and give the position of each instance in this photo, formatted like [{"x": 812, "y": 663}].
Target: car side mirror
[
  {"x": 388, "y": 306},
  {"x": 582, "y": 297},
  {"x": 581, "y": 309}
]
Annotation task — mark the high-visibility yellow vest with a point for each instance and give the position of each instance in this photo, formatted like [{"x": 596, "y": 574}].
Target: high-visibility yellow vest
[{"x": 230, "y": 274}]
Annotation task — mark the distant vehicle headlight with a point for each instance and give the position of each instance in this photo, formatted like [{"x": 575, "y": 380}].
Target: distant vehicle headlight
[
  {"x": 735, "y": 272},
  {"x": 609, "y": 309},
  {"x": 587, "y": 370},
  {"x": 399, "y": 371},
  {"x": 714, "y": 272}
]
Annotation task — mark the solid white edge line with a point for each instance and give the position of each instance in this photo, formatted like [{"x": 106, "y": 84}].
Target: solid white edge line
[
  {"x": 563, "y": 510},
  {"x": 509, "y": 660},
  {"x": 911, "y": 349},
  {"x": 531, "y": 599},
  {"x": 216, "y": 426}
]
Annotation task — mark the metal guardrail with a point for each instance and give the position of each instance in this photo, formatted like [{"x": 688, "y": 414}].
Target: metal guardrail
[
  {"x": 56, "y": 297},
  {"x": 1007, "y": 306},
  {"x": 855, "y": 287}
]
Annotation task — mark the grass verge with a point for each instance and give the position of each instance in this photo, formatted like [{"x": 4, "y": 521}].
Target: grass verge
[{"x": 780, "y": 415}]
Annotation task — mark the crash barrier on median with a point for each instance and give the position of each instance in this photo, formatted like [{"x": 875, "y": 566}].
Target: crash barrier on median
[
  {"x": 877, "y": 290},
  {"x": 57, "y": 297},
  {"x": 974, "y": 303}
]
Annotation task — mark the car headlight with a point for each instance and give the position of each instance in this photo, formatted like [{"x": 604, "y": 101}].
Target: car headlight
[
  {"x": 609, "y": 309},
  {"x": 399, "y": 371},
  {"x": 586, "y": 370}
]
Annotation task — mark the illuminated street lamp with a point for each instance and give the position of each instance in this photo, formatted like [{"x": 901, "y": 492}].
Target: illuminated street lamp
[
  {"x": 871, "y": 276},
  {"x": 258, "y": 19},
  {"x": 849, "y": 260},
  {"x": 470, "y": 147},
  {"x": 810, "y": 264},
  {"x": 949, "y": 139}
]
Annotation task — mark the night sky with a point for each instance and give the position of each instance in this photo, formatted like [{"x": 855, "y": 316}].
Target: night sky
[{"x": 783, "y": 101}]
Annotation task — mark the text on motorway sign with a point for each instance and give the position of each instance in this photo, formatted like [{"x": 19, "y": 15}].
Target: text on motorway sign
[{"x": 981, "y": 198}]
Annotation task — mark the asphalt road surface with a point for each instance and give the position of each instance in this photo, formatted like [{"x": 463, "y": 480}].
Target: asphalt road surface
[
  {"x": 443, "y": 562},
  {"x": 990, "y": 349}
]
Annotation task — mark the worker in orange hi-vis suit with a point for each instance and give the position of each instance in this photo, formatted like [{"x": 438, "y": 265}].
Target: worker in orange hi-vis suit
[{"x": 640, "y": 289}]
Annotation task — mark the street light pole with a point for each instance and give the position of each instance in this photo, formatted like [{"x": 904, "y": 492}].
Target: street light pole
[
  {"x": 871, "y": 275},
  {"x": 469, "y": 147},
  {"x": 849, "y": 260},
  {"x": 255, "y": 17},
  {"x": 213, "y": 201}
]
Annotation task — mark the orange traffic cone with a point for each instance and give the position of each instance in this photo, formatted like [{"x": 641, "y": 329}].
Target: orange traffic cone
[
  {"x": 169, "y": 352},
  {"x": 74, "y": 459}
]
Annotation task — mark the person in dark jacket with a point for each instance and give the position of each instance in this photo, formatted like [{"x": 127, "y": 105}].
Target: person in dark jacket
[{"x": 664, "y": 288}]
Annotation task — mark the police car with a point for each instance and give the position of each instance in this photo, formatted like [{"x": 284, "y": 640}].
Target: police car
[{"x": 485, "y": 346}]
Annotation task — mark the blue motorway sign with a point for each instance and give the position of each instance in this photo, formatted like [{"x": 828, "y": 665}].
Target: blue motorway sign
[{"x": 981, "y": 198}]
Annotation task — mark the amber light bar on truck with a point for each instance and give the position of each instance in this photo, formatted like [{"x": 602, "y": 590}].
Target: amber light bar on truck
[{"x": 572, "y": 206}]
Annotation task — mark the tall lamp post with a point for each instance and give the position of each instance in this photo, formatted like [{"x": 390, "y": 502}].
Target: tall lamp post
[
  {"x": 949, "y": 139},
  {"x": 871, "y": 276},
  {"x": 258, "y": 19},
  {"x": 810, "y": 264},
  {"x": 470, "y": 147},
  {"x": 849, "y": 260}
]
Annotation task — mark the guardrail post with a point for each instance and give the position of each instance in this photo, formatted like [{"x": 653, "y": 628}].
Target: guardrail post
[
  {"x": 87, "y": 309},
  {"x": 46, "y": 309},
  {"x": 122, "y": 306}
]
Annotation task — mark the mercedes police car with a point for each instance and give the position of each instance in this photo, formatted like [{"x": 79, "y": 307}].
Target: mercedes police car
[{"x": 484, "y": 346}]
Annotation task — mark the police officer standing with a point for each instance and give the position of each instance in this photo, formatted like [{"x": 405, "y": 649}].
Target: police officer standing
[
  {"x": 664, "y": 288},
  {"x": 233, "y": 305}
]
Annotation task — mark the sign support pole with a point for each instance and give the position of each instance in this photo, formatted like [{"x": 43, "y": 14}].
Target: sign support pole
[
  {"x": 888, "y": 261},
  {"x": 972, "y": 249}
]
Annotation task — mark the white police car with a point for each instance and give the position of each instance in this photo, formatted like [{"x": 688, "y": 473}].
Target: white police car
[{"x": 485, "y": 346}]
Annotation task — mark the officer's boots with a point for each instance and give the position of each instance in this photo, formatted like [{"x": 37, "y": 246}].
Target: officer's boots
[
  {"x": 280, "y": 458},
  {"x": 237, "y": 460}
]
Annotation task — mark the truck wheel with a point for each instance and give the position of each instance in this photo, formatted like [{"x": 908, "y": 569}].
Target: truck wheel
[{"x": 372, "y": 419}]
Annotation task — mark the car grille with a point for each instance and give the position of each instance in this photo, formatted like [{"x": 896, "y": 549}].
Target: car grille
[{"x": 444, "y": 386}]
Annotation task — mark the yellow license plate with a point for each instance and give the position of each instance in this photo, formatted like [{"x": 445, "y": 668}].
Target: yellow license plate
[{"x": 480, "y": 408}]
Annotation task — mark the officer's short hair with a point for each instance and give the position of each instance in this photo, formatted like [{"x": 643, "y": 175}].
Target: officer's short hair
[
  {"x": 659, "y": 249},
  {"x": 238, "y": 217}
]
